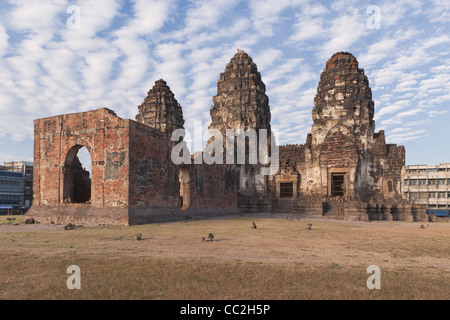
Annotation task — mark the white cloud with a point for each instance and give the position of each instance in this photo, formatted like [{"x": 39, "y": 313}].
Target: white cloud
[
  {"x": 134, "y": 61},
  {"x": 282, "y": 70},
  {"x": 98, "y": 68},
  {"x": 172, "y": 63},
  {"x": 418, "y": 56},
  {"x": 96, "y": 16},
  {"x": 124, "y": 46},
  {"x": 150, "y": 15},
  {"x": 388, "y": 110},
  {"x": 409, "y": 56},
  {"x": 265, "y": 14},
  {"x": 378, "y": 52},
  {"x": 406, "y": 85},
  {"x": 267, "y": 57},
  {"x": 408, "y": 134},
  {"x": 439, "y": 11},
  {"x": 435, "y": 41},
  {"x": 343, "y": 5},
  {"x": 291, "y": 88},
  {"x": 344, "y": 32},
  {"x": 394, "y": 11},
  {"x": 3, "y": 40},
  {"x": 434, "y": 113},
  {"x": 35, "y": 15},
  {"x": 408, "y": 113},
  {"x": 6, "y": 157},
  {"x": 206, "y": 14},
  {"x": 442, "y": 68},
  {"x": 436, "y": 81},
  {"x": 308, "y": 28}
]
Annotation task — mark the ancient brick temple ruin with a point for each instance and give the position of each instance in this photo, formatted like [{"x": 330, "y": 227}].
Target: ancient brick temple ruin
[
  {"x": 345, "y": 170},
  {"x": 133, "y": 178}
]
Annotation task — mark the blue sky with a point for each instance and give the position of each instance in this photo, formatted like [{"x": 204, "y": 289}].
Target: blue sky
[{"x": 122, "y": 47}]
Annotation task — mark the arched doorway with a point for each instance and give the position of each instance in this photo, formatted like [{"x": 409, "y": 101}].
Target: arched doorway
[{"x": 77, "y": 175}]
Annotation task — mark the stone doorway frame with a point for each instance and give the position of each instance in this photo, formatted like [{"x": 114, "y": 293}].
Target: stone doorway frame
[
  {"x": 288, "y": 178},
  {"x": 339, "y": 171}
]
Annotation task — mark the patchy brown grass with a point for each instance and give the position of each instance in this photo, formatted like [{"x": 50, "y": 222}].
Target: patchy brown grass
[
  {"x": 17, "y": 219},
  {"x": 280, "y": 260}
]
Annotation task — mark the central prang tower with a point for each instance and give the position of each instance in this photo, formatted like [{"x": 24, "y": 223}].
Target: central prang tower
[{"x": 241, "y": 103}]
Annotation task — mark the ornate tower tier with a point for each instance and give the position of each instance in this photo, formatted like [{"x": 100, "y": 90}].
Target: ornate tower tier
[{"x": 160, "y": 109}]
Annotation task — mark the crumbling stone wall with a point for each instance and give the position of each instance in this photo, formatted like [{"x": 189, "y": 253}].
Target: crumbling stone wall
[
  {"x": 340, "y": 148},
  {"x": 133, "y": 178},
  {"x": 153, "y": 177},
  {"x": 212, "y": 188},
  {"x": 161, "y": 190},
  {"x": 102, "y": 133},
  {"x": 58, "y": 138},
  {"x": 290, "y": 155}
]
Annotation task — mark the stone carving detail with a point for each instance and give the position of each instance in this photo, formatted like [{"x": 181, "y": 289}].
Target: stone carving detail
[
  {"x": 160, "y": 109},
  {"x": 343, "y": 97},
  {"x": 241, "y": 101}
]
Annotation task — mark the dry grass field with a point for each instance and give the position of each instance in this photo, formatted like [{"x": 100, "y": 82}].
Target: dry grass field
[{"x": 279, "y": 260}]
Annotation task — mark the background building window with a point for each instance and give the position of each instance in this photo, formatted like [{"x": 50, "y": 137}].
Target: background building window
[
  {"x": 413, "y": 195},
  {"x": 423, "y": 195}
]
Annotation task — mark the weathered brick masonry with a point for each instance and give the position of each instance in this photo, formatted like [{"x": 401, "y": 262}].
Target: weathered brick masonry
[
  {"x": 56, "y": 143},
  {"x": 133, "y": 178},
  {"x": 345, "y": 170}
]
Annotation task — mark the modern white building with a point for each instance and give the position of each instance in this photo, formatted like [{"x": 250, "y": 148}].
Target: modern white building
[
  {"x": 16, "y": 186},
  {"x": 428, "y": 185}
]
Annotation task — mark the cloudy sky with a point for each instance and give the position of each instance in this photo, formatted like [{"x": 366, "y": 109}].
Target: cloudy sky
[{"x": 65, "y": 56}]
